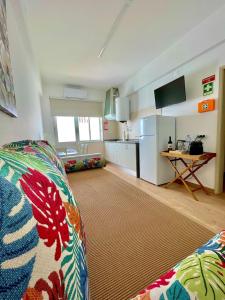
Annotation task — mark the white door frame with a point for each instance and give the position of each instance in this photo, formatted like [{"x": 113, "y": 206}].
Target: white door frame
[{"x": 220, "y": 145}]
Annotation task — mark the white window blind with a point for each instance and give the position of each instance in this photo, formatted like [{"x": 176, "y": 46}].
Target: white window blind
[{"x": 76, "y": 108}]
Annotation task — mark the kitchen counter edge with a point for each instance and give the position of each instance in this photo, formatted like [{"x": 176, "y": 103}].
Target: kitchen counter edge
[{"x": 123, "y": 142}]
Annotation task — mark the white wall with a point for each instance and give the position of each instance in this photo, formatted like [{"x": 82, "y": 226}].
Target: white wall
[
  {"x": 55, "y": 91},
  {"x": 199, "y": 54},
  {"x": 112, "y": 132},
  {"x": 27, "y": 83}
]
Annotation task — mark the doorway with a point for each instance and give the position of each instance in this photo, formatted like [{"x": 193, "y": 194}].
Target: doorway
[{"x": 220, "y": 148}]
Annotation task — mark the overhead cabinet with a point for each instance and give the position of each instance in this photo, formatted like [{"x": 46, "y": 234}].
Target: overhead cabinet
[
  {"x": 122, "y": 109},
  {"x": 110, "y": 105}
]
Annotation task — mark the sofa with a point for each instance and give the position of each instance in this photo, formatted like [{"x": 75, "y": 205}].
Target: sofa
[{"x": 42, "y": 241}]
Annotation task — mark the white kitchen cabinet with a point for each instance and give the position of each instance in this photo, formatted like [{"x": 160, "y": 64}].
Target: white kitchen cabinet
[
  {"x": 130, "y": 156},
  {"x": 122, "y": 154},
  {"x": 109, "y": 152}
]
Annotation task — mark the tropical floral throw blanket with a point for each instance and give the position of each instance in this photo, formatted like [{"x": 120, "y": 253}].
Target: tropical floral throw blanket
[
  {"x": 42, "y": 242},
  {"x": 200, "y": 276}
]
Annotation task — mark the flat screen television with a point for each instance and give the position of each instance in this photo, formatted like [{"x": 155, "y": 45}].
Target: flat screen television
[{"x": 170, "y": 93}]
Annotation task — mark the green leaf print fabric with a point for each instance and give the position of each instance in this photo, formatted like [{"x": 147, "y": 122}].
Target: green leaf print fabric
[{"x": 42, "y": 241}]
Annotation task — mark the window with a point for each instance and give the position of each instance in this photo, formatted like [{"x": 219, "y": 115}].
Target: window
[
  {"x": 95, "y": 128},
  {"x": 65, "y": 129},
  {"x": 84, "y": 131},
  {"x": 71, "y": 129}
]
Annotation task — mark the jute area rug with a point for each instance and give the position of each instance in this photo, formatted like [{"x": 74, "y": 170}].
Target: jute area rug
[{"x": 132, "y": 238}]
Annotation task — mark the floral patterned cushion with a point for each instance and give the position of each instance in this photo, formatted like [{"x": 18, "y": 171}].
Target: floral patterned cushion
[
  {"x": 42, "y": 242},
  {"x": 197, "y": 277},
  {"x": 78, "y": 165},
  {"x": 39, "y": 148}
]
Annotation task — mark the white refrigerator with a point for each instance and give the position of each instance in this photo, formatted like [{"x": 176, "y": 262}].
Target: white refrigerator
[{"x": 154, "y": 137}]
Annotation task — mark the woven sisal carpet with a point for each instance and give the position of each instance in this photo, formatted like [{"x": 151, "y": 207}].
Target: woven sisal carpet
[{"x": 131, "y": 238}]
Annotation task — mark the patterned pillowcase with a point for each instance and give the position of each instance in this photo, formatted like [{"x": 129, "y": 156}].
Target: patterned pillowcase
[
  {"x": 18, "y": 144},
  {"x": 42, "y": 240},
  {"x": 39, "y": 148}
]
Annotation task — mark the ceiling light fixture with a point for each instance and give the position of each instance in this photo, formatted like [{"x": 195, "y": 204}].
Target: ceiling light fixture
[
  {"x": 101, "y": 52},
  {"x": 114, "y": 26}
]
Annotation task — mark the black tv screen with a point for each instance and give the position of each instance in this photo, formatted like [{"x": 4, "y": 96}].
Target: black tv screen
[{"x": 170, "y": 93}]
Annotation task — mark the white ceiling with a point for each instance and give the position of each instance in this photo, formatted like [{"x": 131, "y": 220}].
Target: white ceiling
[{"x": 67, "y": 35}]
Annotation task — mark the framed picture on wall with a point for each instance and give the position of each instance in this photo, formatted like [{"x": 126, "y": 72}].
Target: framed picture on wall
[{"x": 7, "y": 94}]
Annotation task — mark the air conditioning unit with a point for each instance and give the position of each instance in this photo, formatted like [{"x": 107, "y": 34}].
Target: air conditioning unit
[{"x": 75, "y": 93}]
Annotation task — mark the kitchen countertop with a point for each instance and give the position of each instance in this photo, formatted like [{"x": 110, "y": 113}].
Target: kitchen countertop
[{"x": 131, "y": 141}]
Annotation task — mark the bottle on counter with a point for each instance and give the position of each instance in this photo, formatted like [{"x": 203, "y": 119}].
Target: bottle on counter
[{"x": 170, "y": 144}]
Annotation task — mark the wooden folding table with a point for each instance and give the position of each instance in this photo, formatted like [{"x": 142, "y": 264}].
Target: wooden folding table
[{"x": 192, "y": 163}]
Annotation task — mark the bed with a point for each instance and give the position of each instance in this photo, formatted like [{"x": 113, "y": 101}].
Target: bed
[
  {"x": 199, "y": 276},
  {"x": 42, "y": 239}
]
